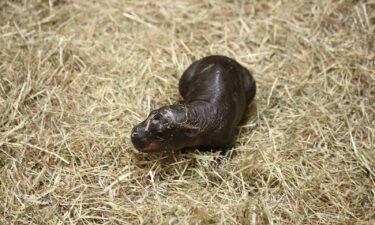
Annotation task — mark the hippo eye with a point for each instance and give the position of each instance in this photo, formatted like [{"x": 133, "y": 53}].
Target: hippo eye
[
  {"x": 157, "y": 126},
  {"x": 154, "y": 122}
]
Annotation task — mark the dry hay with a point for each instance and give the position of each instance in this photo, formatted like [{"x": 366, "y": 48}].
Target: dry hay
[{"x": 76, "y": 75}]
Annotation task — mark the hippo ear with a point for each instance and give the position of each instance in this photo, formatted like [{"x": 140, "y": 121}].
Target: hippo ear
[{"x": 189, "y": 130}]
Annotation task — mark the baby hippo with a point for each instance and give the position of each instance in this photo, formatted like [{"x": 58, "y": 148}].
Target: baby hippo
[{"x": 216, "y": 91}]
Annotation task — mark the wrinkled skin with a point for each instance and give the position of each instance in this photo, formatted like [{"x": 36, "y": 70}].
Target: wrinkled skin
[{"x": 216, "y": 91}]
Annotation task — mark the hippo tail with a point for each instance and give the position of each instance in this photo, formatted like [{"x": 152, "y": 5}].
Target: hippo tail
[{"x": 249, "y": 86}]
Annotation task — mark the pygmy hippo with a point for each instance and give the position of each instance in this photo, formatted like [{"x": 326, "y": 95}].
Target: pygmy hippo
[{"x": 216, "y": 91}]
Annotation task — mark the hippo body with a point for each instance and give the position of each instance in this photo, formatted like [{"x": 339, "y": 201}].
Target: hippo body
[{"x": 216, "y": 91}]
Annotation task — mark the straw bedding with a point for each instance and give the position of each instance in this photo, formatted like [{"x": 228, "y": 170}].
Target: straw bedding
[{"x": 76, "y": 75}]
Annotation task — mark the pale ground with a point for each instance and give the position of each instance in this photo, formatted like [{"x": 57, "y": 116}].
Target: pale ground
[{"x": 76, "y": 75}]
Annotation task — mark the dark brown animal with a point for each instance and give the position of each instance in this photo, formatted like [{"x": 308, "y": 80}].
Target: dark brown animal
[{"x": 216, "y": 91}]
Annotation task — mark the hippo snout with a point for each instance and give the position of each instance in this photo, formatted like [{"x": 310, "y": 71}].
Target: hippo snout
[{"x": 139, "y": 138}]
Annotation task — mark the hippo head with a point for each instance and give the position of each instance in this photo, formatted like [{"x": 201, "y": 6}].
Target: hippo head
[{"x": 165, "y": 129}]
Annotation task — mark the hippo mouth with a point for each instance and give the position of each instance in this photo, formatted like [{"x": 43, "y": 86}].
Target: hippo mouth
[{"x": 152, "y": 147}]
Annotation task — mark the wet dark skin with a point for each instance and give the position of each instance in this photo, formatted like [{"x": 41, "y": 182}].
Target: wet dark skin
[{"x": 216, "y": 91}]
